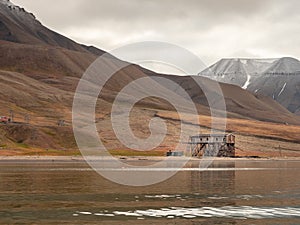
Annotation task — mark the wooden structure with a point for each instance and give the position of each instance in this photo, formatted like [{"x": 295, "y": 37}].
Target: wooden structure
[
  {"x": 175, "y": 153},
  {"x": 214, "y": 145}
]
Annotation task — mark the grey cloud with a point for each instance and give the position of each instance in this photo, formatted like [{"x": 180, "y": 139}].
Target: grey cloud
[
  {"x": 210, "y": 28},
  {"x": 82, "y": 12}
]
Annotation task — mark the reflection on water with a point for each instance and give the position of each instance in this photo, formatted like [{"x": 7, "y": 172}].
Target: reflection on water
[{"x": 267, "y": 192}]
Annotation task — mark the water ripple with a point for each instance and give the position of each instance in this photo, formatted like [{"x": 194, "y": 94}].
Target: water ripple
[{"x": 242, "y": 212}]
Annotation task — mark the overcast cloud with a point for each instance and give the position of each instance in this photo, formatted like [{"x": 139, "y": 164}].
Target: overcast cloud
[{"x": 212, "y": 29}]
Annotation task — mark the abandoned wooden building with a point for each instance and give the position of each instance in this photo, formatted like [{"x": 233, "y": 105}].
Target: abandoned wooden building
[{"x": 218, "y": 145}]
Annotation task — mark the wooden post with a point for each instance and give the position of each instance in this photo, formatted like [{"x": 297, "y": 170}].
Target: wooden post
[
  {"x": 280, "y": 153},
  {"x": 11, "y": 112},
  {"x": 26, "y": 118}
]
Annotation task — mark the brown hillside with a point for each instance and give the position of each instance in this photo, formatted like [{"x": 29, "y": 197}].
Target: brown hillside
[{"x": 39, "y": 73}]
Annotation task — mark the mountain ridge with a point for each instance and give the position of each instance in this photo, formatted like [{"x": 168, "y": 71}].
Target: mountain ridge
[{"x": 18, "y": 25}]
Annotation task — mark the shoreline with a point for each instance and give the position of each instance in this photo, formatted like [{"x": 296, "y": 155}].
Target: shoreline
[{"x": 140, "y": 158}]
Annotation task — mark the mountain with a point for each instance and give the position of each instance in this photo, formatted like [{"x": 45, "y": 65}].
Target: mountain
[
  {"x": 40, "y": 70},
  {"x": 275, "y": 78}
]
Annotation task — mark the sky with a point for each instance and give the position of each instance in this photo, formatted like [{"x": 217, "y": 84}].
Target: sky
[{"x": 211, "y": 29}]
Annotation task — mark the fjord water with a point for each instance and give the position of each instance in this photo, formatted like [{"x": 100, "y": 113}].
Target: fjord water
[{"x": 229, "y": 192}]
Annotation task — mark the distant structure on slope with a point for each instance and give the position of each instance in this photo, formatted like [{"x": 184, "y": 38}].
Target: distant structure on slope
[
  {"x": 5, "y": 119},
  {"x": 218, "y": 145},
  {"x": 175, "y": 153}
]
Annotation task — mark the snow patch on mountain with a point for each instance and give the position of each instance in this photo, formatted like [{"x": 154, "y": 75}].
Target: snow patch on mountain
[
  {"x": 282, "y": 89},
  {"x": 247, "y": 82}
]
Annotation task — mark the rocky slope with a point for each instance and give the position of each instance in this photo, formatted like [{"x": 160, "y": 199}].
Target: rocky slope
[{"x": 277, "y": 78}]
